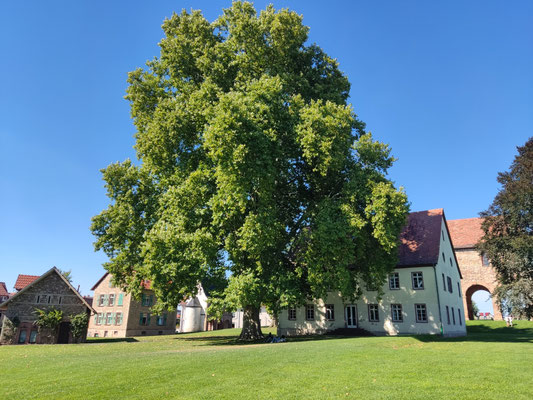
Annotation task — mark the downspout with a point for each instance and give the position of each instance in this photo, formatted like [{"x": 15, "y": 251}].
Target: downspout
[{"x": 438, "y": 299}]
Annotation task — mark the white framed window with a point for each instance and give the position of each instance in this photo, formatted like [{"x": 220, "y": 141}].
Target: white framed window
[
  {"x": 162, "y": 320},
  {"x": 394, "y": 281},
  {"x": 292, "y": 313},
  {"x": 484, "y": 260},
  {"x": 373, "y": 313},
  {"x": 100, "y": 319},
  {"x": 101, "y": 299},
  {"x": 111, "y": 301},
  {"x": 418, "y": 280},
  {"x": 421, "y": 313},
  {"x": 147, "y": 300},
  {"x": 330, "y": 312},
  {"x": 109, "y": 318},
  {"x": 118, "y": 319},
  {"x": 396, "y": 312},
  {"x": 310, "y": 312},
  {"x": 144, "y": 319}
]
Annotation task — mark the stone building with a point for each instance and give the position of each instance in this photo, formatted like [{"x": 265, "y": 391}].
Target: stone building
[
  {"x": 118, "y": 314},
  {"x": 478, "y": 274},
  {"x": 48, "y": 291},
  {"x": 422, "y": 294}
]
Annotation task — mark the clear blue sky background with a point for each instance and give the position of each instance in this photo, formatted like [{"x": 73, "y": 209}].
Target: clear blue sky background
[{"x": 449, "y": 85}]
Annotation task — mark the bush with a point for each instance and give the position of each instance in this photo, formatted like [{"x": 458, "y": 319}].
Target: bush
[
  {"x": 48, "y": 322},
  {"x": 78, "y": 326}
]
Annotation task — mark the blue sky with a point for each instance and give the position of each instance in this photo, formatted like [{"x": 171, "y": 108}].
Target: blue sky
[{"x": 449, "y": 85}]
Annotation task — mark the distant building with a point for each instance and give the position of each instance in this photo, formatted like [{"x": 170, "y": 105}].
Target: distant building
[
  {"x": 24, "y": 280},
  {"x": 4, "y": 294},
  {"x": 194, "y": 316},
  {"x": 264, "y": 318},
  {"x": 48, "y": 291},
  {"x": 119, "y": 315},
  {"x": 421, "y": 296},
  {"x": 478, "y": 274}
]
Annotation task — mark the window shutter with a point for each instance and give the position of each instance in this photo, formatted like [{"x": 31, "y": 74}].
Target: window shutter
[
  {"x": 120, "y": 296},
  {"x": 165, "y": 319},
  {"x": 95, "y": 318},
  {"x": 148, "y": 319},
  {"x": 113, "y": 315},
  {"x": 105, "y": 300},
  {"x": 151, "y": 299},
  {"x": 141, "y": 319},
  {"x": 143, "y": 300}
]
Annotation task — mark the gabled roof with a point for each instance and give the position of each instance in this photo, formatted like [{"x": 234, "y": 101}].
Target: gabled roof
[
  {"x": 39, "y": 279},
  {"x": 3, "y": 289},
  {"x": 420, "y": 238},
  {"x": 24, "y": 280},
  {"x": 466, "y": 232},
  {"x": 145, "y": 283}
]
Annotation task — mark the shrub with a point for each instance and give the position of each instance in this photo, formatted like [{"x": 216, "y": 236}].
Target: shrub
[{"x": 78, "y": 325}]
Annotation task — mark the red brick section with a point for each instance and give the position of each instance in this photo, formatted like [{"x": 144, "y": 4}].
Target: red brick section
[
  {"x": 465, "y": 234},
  {"x": 24, "y": 280},
  {"x": 420, "y": 238}
]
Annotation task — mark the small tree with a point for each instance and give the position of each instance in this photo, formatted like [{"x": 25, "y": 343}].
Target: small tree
[
  {"x": 48, "y": 322},
  {"x": 475, "y": 309},
  {"x": 78, "y": 325}
]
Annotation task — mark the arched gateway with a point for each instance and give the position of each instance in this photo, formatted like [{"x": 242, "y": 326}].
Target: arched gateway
[{"x": 477, "y": 272}]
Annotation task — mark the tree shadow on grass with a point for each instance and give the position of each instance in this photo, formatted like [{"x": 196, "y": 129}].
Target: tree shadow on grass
[
  {"x": 234, "y": 340},
  {"x": 486, "y": 333},
  {"x": 110, "y": 340}
]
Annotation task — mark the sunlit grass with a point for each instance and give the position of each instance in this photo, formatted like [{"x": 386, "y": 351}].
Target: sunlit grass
[{"x": 493, "y": 361}]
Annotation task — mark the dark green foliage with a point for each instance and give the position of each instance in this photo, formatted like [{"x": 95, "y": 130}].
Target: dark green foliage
[
  {"x": 508, "y": 234},
  {"x": 78, "y": 325},
  {"x": 253, "y": 166}
]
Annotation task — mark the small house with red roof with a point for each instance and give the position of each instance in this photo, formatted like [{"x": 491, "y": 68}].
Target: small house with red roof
[
  {"x": 118, "y": 314},
  {"x": 46, "y": 292},
  {"x": 422, "y": 295}
]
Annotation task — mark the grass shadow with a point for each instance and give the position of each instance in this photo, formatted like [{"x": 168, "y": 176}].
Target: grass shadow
[
  {"x": 111, "y": 340},
  {"x": 489, "y": 332},
  {"x": 234, "y": 340}
]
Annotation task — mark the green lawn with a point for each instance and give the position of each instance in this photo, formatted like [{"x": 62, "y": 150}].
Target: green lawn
[{"x": 492, "y": 362}]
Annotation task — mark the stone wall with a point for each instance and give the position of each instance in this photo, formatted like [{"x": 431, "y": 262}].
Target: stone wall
[{"x": 50, "y": 292}]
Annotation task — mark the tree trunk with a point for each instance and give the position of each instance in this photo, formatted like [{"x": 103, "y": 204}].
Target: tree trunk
[{"x": 251, "y": 324}]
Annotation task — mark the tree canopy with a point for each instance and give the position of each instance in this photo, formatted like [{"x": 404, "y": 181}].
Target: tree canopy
[
  {"x": 508, "y": 234},
  {"x": 254, "y": 171}
]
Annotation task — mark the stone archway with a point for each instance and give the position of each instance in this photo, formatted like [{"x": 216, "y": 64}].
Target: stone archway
[{"x": 468, "y": 301}]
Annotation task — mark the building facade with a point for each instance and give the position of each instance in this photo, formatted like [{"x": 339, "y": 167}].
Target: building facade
[
  {"x": 422, "y": 295},
  {"x": 48, "y": 291},
  {"x": 478, "y": 274},
  {"x": 118, "y": 314}
]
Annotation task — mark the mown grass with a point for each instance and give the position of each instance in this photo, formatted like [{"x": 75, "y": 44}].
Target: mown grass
[{"x": 492, "y": 362}]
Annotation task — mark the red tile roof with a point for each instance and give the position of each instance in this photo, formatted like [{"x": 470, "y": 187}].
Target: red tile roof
[
  {"x": 465, "y": 233},
  {"x": 420, "y": 238},
  {"x": 24, "y": 280},
  {"x": 3, "y": 289}
]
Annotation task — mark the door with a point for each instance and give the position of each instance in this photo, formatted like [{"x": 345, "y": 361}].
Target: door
[
  {"x": 351, "y": 316},
  {"x": 64, "y": 330}
]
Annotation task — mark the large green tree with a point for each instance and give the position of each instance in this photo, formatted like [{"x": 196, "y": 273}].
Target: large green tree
[
  {"x": 508, "y": 234},
  {"x": 254, "y": 171}
]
